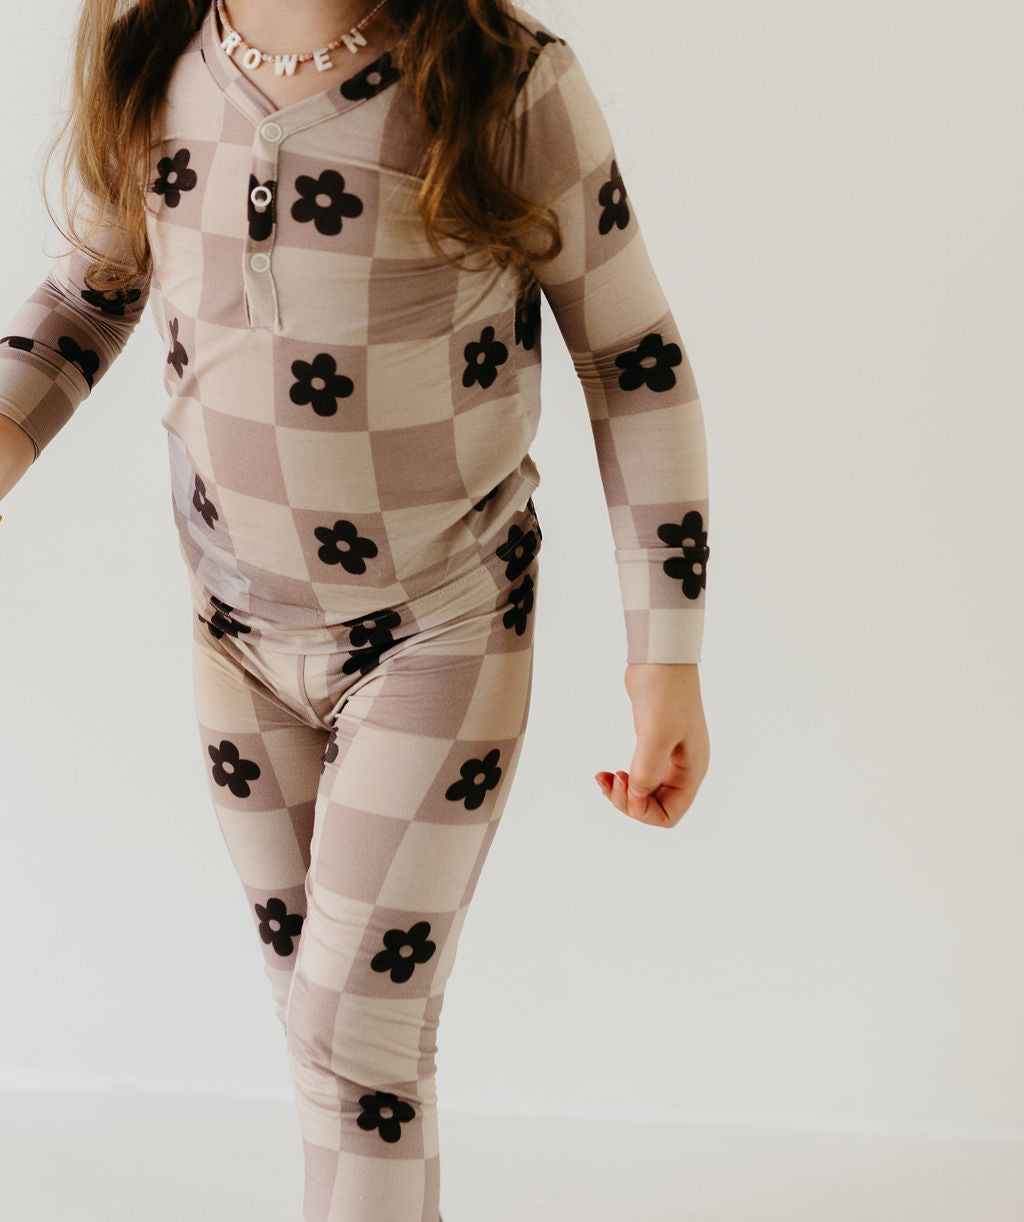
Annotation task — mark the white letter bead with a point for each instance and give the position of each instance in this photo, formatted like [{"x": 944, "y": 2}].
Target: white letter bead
[
  {"x": 322, "y": 59},
  {"x": 252, "y": 58}
]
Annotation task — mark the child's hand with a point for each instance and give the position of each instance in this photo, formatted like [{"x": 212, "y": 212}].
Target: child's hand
[{"x": 672, "y": 751}]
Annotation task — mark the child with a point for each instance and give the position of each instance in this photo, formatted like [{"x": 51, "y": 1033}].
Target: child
[{"x": 335, "y": 248}]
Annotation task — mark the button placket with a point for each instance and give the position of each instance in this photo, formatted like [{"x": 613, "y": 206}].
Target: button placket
[
  {"x": 261, "y": 301},
  {"x": 260, "y": 290}
]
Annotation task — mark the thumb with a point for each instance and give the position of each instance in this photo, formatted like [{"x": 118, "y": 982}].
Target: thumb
[{"x": 647, "y": 771}]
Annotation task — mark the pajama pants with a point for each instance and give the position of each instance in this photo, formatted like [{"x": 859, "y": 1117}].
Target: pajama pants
[{"x": 358, "y": 784}]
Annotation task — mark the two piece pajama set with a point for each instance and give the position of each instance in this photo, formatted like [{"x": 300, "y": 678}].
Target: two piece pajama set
[{"x": 348, "y": 424}]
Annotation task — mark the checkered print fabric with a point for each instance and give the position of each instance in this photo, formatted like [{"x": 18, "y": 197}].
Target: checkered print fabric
[{"x": 349, "y": 417}]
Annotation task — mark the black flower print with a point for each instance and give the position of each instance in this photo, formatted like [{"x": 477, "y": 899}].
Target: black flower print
[
  {"x": 478, "y": 775},
  {"x": 395, "y": 961},
  {"x": 177, "y": 358},
  {"x": 657, "y": 376},
  {"x": 221, "y": 624},
  {"x": 528, "y": 318},
  {"x": 343, "y": 544},
  {"x": 279, "y": 927},
  {"x": 612, "y": 198},
  {"x": 261, "y": 220},
  {"x": 691, "y": 566},
  {"x": 231, "y": 770},
  {"x": 389, "y": 1126},
  {"x": 86, "y": 360},
  {"x": 207, "y": 509},
  {"x": 374, "y": 632},
  {"x": 518, "y": 549},
  {"x": 333, "y": 385},
  {"x": 483, "y": 358},
  {"x": 372, "y": 628},
  {"x": 175, "y": 177},
  {"x": 489, "y": 497},
  {"x": 373, "y": 78},
  {"x": 326, "y": 216},
  {"x": 112, "y": 301},
  {"x": 331, "y": 750},
  {"x": 19, "y": 341},
  {"x": 521, "y": 604}
]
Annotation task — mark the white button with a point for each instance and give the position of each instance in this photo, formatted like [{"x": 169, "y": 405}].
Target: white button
[
  {"x": 260, "y": 197},
  {"x": 271, "y": 132},
  {"x": 259, "y": 262}
]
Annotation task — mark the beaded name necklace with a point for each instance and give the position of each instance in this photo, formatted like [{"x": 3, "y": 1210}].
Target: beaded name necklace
[{"x": 253, "y": 58}]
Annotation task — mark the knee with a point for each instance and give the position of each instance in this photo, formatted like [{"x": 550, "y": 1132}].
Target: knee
[{"x": 366, "y": 1040}]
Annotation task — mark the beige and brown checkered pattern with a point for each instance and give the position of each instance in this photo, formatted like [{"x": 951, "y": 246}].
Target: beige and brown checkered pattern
[
  {"x": 349, "y": 417},
  {"x": 359, "y": 789}
]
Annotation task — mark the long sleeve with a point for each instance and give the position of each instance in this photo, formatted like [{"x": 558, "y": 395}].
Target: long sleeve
[
  {"x": 63, "y": 338},
  {"x": 640, "y": 393}
]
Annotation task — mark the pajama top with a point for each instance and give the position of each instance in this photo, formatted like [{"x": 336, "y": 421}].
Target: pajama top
[{"x": 349, "y": 417}]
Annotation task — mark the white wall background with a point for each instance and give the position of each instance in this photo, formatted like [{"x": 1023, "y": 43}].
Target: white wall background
[{"x": 832, "y": 936}]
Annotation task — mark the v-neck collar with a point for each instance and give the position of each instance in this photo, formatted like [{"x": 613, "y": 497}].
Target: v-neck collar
[{"x": 241, "y": 89}]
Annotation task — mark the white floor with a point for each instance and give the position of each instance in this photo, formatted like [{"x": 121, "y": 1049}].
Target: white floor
[{"x": 127, "y": 1158}]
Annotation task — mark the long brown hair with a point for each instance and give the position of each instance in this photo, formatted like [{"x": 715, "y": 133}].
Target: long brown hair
[{"x": 459, "y": 58}]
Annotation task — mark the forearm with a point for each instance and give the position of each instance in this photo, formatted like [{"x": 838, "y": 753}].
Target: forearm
[{"x": 17, "y": 454}]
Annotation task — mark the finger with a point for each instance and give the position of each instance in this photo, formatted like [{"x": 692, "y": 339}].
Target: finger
[
  {"x": 676, "y": 800},
  {"x": 612, "y": 789},
  {"x": 641, "y": 790},
  {"x": 637, "y": 797},
  {"x": 651, "y": 766},
  {"x": 644, "y": 810},
  {"x": 618, "y": 795}
]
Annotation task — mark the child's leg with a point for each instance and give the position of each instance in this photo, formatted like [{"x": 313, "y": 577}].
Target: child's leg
[
  {"x": 263, "y": 764},
  {"x": 417, "y": 776}
]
